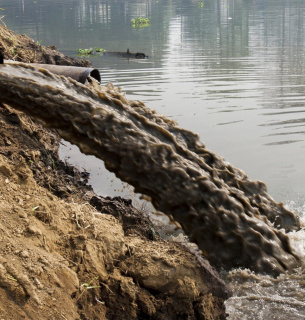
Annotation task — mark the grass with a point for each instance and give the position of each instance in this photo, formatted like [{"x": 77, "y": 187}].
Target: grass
[
  {"x": 87, "y": 286},
  {"x": 15, "y": 54},
  {"x": 35, "y": 208},
  {"x": 11, "y": 278}
]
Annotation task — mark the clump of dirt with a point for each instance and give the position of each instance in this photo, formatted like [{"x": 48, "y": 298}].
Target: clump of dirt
[
  {"x": 129, "y": 216},
  {"x": 66, "y": 253}
]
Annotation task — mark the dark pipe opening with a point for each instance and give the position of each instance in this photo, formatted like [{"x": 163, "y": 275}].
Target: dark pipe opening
[
  {"x": 96, "y": 75},
  {"x": 81, "y": 74}
]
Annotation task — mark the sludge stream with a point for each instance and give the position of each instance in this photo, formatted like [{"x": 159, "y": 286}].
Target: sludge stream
[{"x": 231, "y": 218}]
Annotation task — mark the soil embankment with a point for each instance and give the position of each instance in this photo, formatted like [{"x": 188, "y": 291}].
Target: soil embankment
[{"x": 60, "y": 257}]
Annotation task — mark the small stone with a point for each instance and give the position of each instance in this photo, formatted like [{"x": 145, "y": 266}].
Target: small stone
[
  {"x": 50, "y": 291},
  {"x": 38, "y": 284},
  {"x": 24, "y": 254},
  {"x": 7, "y": 142},
  {"x": 22, "y": 214},
  {"x": 82, "y": 237},
  {"x": 5, "y": 170},
  {"x": 34, "y": 230},
  {"x": 43, "y": 260}
]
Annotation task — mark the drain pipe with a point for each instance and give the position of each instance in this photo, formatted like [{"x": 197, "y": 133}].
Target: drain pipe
[{"x": 79, "y": 74}]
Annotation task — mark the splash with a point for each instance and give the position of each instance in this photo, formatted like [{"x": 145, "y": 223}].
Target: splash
[{"x": 230, "y": 217}]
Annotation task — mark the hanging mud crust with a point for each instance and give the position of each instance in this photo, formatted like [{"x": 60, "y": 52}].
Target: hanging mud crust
[
  {"x": 131, "y": 217},
  {"x": 219, "y": 208}
]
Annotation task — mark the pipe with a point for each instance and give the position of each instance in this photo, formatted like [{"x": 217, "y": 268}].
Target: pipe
[{"x": 79, "y": 74}]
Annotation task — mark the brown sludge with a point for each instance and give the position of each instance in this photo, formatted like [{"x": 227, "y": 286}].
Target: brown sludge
[{"x": 218, "y": 206}]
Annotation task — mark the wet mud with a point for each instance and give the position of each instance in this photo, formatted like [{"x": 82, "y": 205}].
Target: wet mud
[{"x": 230, "y": 217}]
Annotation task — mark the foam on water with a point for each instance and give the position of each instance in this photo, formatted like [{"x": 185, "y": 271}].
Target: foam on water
[{"x": 265, "y": 297}]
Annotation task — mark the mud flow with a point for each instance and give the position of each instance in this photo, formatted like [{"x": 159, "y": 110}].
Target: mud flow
[{"x": 231, "y": 218}]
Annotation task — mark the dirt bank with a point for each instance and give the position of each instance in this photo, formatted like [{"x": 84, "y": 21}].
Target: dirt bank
[
  {"x": 67, "y": 254},
  {"x": 22, "y": 48}
]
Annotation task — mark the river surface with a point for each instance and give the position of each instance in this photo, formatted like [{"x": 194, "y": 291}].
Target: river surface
[{"x": 230, "y": 70}]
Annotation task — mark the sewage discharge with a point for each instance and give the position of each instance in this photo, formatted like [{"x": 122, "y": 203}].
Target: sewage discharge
[{"x": 232, "y": 219}]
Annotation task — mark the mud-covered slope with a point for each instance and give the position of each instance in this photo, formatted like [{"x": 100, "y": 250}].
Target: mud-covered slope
[{"x": 60, "y": 258}]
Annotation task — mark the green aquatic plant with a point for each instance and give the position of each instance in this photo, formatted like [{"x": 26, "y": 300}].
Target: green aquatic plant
[
  {"x": 200, "y": 4},
  {"x": 100, "y": 50},
  {"x": 90, "y": 51},
  {"x": 85, "y": 52},
  {"x": 140, "y": 22}
]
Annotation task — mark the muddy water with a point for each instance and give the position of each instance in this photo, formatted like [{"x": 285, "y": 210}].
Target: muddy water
[{"x": 218, "y": 207}]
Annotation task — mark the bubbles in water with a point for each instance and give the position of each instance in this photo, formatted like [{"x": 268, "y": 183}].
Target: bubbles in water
[
  {"x": 262, "y": 297},
  {"x": 297, "y": 206}
]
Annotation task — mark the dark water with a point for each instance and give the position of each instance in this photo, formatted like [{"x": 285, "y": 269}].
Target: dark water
[{"x": 232, "y": 71}]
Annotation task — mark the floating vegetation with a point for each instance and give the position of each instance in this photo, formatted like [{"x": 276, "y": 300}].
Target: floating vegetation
[
  {"x": 85, "y": 52},
  {"x": 100, "y": 50},
  {"x": 90, "y": 51},
  {"x": 140, "y": 22}
]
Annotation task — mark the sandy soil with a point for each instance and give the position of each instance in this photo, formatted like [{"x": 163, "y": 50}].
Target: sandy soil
[{"x": 66, "y": 253}]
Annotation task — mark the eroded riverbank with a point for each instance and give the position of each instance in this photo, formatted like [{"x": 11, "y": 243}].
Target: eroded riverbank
[{"x": 61, "y": 258}]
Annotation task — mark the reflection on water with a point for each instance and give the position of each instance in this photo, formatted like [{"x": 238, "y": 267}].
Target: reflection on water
[{"x": 233, "y": 71}]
